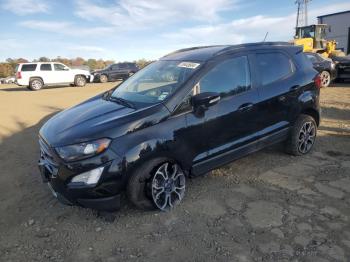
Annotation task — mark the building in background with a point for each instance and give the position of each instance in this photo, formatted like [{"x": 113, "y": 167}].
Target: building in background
[{"x": 339, "y": 29}]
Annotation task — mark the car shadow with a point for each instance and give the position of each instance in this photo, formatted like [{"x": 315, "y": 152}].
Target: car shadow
[{"x": 23, "y": 88}]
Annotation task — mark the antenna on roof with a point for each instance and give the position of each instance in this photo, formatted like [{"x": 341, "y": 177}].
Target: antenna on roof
[{"x": 266, "y": 36}]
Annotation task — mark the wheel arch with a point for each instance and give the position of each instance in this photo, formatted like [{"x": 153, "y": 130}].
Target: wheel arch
[
  {"x": 313, "y": 113},
  {"x": 80, "y": 75},
  {"x": 36, "y": 77},
  {"x": 150, "y": 150}
]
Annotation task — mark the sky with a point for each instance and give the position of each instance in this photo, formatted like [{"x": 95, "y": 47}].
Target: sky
[{"x": 127, "y": 30}]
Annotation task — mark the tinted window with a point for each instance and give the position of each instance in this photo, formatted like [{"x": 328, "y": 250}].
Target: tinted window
[
  {"x": 185, "y": 105},
  {"x": 273, "y": 66},
  {"x": 28, "y": 67},
  {"x": 45, "y": 67},
  {"x": 227, "y": 78},
  {"x": 155, "y": 82},
  {"x": 59, "y": 67},
  {"x": 115, "y": 67}
]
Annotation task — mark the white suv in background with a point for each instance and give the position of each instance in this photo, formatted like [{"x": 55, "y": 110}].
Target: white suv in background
[{"x": 36, "y": 75}]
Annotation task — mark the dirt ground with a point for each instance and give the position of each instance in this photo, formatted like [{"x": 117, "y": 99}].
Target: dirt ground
[{"x": 268, "y": 206}]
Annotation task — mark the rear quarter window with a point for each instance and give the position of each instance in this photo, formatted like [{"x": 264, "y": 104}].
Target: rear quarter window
[
  {"x": 273, "y": 67},
  {"x": 28, "y": 67}
]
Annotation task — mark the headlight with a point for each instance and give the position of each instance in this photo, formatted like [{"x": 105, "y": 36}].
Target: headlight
[{"x": 83, "y": 150}]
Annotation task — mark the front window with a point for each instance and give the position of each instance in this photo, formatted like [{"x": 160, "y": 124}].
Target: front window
[
  {"x": 228, "y": 78},
  {"x": 155, "y": 82},
  {"x": 307, "y": 32},
  {"x": 60, "y": 67}
]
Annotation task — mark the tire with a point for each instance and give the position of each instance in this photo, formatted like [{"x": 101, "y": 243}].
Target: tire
[
  {"x": 148, "y": 188},
  {"x": 36, "y": 84},
  {"x": 325, "y": 78},
  {"x": 103, "y": 79},
  {"x": 302, "y": 136},
  {"x": 80, "y": 81}
]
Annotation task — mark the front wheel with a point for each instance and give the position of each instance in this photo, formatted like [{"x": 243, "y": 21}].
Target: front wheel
[
  {"x": 302, "y": 136},
  {"x": 325, "y": 78},
  {"x": 157, "y": 184},
  {"x": 80, "y": 81},
  {"x": 103, "y": 79}
]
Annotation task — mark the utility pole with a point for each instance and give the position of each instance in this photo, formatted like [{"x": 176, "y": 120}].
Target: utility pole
[{"x": 302, "y": 16}]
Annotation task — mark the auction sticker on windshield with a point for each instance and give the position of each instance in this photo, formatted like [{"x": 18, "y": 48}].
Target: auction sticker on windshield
[{"x": 188, "y": 65}]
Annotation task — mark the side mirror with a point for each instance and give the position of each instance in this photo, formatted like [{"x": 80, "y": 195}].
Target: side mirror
[{"x": 205, "y": 99}]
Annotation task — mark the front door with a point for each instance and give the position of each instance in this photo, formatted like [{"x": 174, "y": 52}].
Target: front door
[
  {"x": 229, "y": 128},
  {"x": 62, "y": 74}
]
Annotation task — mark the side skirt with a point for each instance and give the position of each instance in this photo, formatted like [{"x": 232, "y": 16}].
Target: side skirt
[{"x": 234, "y": 154}]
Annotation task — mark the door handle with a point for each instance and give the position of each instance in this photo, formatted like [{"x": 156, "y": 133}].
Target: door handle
[{"x": 245, "y": 107}]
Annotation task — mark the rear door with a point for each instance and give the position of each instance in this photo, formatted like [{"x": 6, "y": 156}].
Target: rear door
[
  {"x": 115, "y": 72},
  {"x": 278, "y": 92},
  {"x": 46, "y": 72}
]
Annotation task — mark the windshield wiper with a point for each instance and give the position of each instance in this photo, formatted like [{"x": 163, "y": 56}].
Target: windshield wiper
[{"x": 122, "y": 101}]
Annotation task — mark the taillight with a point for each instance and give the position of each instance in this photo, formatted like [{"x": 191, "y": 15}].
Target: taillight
[
  {"x": 18, "y": 75},
  {"x": 318, "y": 81}
]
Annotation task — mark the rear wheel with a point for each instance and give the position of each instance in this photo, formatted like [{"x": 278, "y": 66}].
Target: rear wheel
[
  {"x": 325, "y": 78},
  {"x": 302, "y": 136},
  {"x": 157, "y": 184},
  {"x": 80, "y": 81},
  {"x": 36, "y": 84},
  {"x": 103, "y": 79}
]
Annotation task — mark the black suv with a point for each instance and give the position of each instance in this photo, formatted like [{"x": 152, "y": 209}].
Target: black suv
[
  {"x": 192, "y": 111},
  {"x": 115, "y": 72},
  {"x": 324, "y": 66}
]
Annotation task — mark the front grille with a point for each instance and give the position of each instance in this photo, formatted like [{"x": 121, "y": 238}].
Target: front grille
[{"x": 46, "y": 154}]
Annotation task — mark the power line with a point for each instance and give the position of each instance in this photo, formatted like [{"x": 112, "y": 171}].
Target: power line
[{"x": 302, "y": 12}]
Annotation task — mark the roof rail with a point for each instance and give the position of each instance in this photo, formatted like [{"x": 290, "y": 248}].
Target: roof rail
[
  {"x": 190, "y": 49},
  {"x": 234, "y": 47}
]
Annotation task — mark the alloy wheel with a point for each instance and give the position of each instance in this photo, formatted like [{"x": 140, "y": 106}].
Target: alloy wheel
[
  {"x": 168, "y": 186},
  {"x": 103, "y": 79},
  {"x": 80, "y": 81},
  {"x": 36, "y": 84},
  {"x": 307, "y": 135},
  {"x": 325, "y": 79}
]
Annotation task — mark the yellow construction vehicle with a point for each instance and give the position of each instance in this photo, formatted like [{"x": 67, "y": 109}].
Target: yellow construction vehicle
[{"x": 313, "y": 39}]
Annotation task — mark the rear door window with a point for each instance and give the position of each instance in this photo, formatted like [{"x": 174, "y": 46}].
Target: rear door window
[
  {"x": 28, "y": 67},
  {"x": 273, "y": 67},
  {"x": 45, "y": 67}
]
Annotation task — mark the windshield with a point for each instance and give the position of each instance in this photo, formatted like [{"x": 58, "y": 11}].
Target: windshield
[{"x": 155, "y": 82}]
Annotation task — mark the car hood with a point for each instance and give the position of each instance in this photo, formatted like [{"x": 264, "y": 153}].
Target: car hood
[
  {"x": 81, "y": 71},
  {"x": 97, "y": 71},
  {"x": 96, "y": 118}
]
